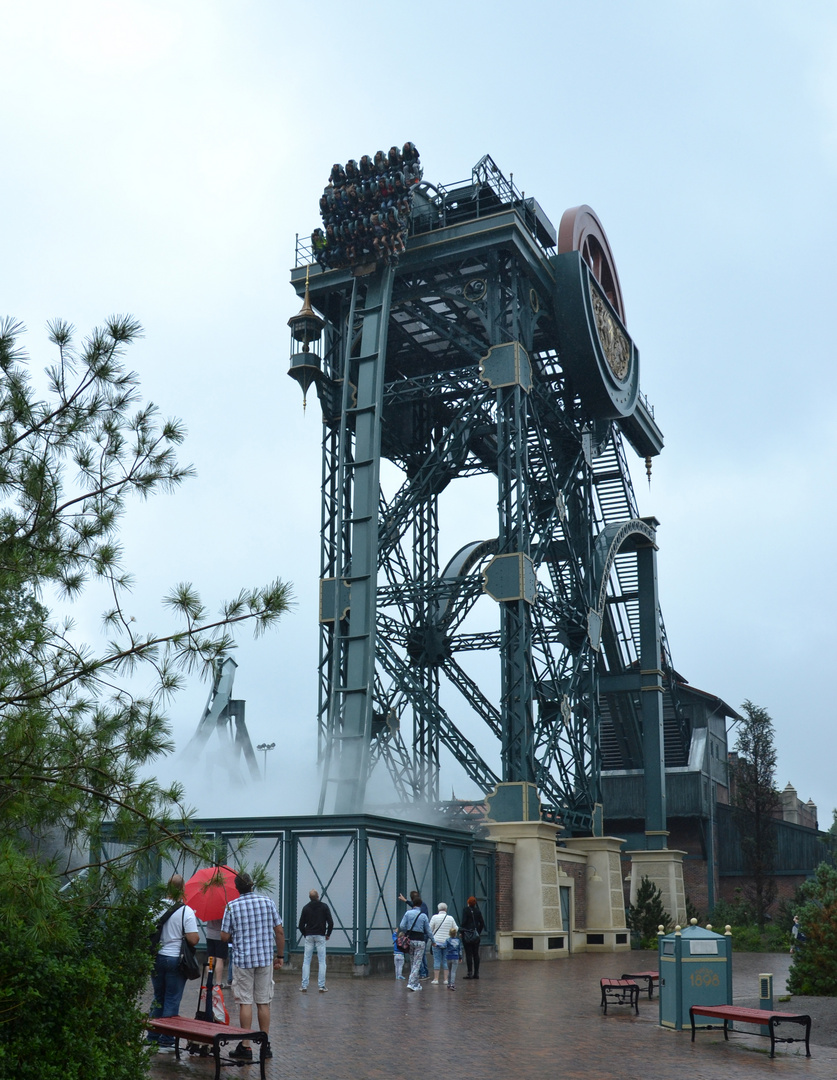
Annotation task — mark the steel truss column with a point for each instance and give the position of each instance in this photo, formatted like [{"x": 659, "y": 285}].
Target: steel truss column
[
  {"x": 358, "y": 469},
  {"x": 507, "y": 368},
  {"x": 331, "y": 564},
  {"x": 517, "y": 684},
  {"x": 426, "y": 571}
]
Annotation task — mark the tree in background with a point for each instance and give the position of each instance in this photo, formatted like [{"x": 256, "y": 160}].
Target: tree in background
[
  {"x": 814, "y": 966},
  {"x": 829, "y": 839},
  {"x": 647, "y": 913},
  {"x": 75, "y": 734},
  {"x": 755, "y": 803}
]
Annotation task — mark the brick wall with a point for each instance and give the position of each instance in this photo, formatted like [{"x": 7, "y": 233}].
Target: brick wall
[
  {"x": 504, "y": 890},
  {"x": 786, "y": 886},
  {"x": 686, "y": 835}
]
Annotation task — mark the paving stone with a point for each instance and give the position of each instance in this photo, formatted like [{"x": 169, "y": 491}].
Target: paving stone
[{"x": 522, "y": 1020}]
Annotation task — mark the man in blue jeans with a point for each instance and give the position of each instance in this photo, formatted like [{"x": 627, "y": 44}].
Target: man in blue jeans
[
  {"x": 315, "y": 925},
  {"x": 168, "y": 984}
]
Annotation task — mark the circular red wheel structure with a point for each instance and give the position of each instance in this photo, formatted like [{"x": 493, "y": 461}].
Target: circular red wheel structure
[{"x": 580, "y": 230}]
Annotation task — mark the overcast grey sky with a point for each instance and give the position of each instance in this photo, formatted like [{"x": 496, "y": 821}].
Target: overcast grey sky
[{"x": 159, "y": 157}]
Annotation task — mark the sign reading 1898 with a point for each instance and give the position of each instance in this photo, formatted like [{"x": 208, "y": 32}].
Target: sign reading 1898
[{"x": 705, "y": 976}]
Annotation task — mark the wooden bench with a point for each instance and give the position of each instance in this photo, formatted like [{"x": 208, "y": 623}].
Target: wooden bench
[
  {"x": 620, "y": 992},
  {"x": 766, "y": 1017},
  {"x": 205, "y": 1031},
  {"x": 650, "y": 978}
]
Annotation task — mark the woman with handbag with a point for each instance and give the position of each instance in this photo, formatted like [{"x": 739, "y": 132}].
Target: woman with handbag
[
  {"x": 440, "y": 927},
  {"x": 416, "y": 924},
  {"x": 167, "y": 979},
  {"x": 472, "y": 925}
]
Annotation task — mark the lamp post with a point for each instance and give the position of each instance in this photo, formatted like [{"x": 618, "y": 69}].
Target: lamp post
[{"x": 264, "y": 747}]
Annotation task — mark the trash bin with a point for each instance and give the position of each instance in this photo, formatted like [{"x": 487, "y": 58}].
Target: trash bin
[{"x": 695, "y": 969}]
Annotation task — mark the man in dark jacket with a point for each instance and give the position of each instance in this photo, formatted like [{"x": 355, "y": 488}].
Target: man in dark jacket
[{"x": 315, "y": 925}]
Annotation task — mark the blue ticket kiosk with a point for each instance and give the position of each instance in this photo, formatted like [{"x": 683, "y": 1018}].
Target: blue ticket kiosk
[{"x": 695, "y": 969}]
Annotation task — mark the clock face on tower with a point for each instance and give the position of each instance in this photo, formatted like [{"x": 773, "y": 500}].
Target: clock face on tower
[
  {"x": 597, "y": 354},
  {"x": 615, "y": 343}
]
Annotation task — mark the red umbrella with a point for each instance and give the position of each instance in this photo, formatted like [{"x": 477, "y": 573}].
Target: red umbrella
[{"x": 208, "y": 890}]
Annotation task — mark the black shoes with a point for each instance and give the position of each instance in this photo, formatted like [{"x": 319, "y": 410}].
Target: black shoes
[{"x": 245, "y": 1053}]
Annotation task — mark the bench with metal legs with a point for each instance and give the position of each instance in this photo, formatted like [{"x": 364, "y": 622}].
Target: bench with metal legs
[
  {"x": 620, "y": 992},
  {"x": 205, "y": 1031}
]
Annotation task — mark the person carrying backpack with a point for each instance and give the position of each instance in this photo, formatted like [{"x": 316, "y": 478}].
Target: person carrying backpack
[{"x": 166, "y": 979}]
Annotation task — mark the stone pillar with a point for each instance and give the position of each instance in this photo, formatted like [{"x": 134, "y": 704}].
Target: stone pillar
[
  {"x": 536, "y": 932},
  {"x": 606, "y": 930},
  {"x": 663, "y": 868}
]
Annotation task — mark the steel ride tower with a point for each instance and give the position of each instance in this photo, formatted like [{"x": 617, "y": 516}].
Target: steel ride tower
[{"x": 495, "y": 347}]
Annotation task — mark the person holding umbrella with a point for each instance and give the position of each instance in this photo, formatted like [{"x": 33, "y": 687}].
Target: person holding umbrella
[
  {"x": 217, "y": 949},
  {"x": 208, "y": 891}
]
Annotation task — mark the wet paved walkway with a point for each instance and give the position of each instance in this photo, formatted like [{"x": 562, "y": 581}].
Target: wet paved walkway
[{"x": 521, "y": 1020}]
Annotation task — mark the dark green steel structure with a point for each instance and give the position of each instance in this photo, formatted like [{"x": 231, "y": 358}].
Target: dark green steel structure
[{"x": 495, "y": 347}]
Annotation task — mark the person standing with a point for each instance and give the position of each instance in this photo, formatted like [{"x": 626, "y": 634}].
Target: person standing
[
  {"x": 415, "y": 923},
  {"x": 315, "y": 925},
  {"x": 797, "y": 935},
  {"x": 472, "y": 926},
  {"x": 440, "y": 927},
  {"x": 423, "y": 973},
  {"x": 397, "y": 956},
  {"x": 453, "y": 953},
  {"x": 166, "y": 980},
  {"x": 254, "y": 926}
]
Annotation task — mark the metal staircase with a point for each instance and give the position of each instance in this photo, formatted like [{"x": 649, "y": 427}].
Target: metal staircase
[{"x": 620, "y": 730}]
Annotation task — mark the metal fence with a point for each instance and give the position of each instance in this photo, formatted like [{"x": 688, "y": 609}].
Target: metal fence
[{"x": 358, "y": 864}]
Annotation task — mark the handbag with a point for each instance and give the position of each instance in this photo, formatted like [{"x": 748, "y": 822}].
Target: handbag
[
  {"x": 403, "y": 939},
  {"x": 218, "y": 1006},
  {"x": 470, "y": 936},
  {"x": 187, "y": 964}
]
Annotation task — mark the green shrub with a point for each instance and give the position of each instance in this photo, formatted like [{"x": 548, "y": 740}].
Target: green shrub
[
  {"x": 735, "y": 912},
  {"x": 69, "y": 1005},
  {"x": 647, "y": 913},
  {"x": 746, "y": 939},
  {"x": 814, "y": 967},
  {"x": 777, "y": 938},
  {"x": 746, "y": 935}
]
